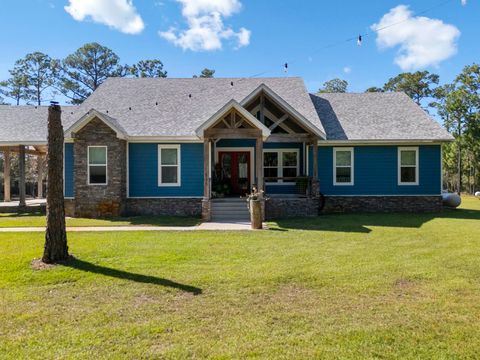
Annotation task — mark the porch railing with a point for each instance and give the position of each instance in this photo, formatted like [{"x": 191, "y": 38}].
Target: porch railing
[{"x": 298, "y": 185}]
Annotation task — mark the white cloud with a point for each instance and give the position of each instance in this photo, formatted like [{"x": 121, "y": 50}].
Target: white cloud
[
  {"x": 422, "y": 41},
  {"x": 206, "y": 29},
  {"x": 347, "y": 69},
  {"x": 464, "y": 2},
  {"x": 118, "y": 14}
]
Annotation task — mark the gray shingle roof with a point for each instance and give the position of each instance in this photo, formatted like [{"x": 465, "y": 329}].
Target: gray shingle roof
[
  {"x": 375, "y": 116},
  {"x": 162, "y": 107}
]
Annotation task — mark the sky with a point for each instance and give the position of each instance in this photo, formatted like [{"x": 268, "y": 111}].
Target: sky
[{"x": 243, "y": 38}]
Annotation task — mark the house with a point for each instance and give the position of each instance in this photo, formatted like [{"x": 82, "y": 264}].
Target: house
[{"x": 184, "y": 146}]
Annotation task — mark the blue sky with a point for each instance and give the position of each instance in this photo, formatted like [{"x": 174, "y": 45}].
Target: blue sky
[{"x": 256, "y": 36}]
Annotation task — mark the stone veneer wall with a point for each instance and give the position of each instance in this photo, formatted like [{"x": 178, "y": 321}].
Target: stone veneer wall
[
  {"x": 100, "y": 200},
  {"x": 276, "y": 208},
  {"x": 69, "y": 207},
  {"x": 164, "y": 206},
  {"x": 380, "y": 204}
]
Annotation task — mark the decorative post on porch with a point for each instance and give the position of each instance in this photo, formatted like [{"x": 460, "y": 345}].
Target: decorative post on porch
[
  {"x": 315, "y": 182},
  {"x": 206, "y": 216},
  {"x": 40, "y": 166},
  {"x": 21, "y": 163},
  {"x": 6, "y": 175},
  {"x": 259, "y": 171}
]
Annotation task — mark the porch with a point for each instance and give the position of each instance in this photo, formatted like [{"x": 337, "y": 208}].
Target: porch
[{"x": 259, "y": 144}]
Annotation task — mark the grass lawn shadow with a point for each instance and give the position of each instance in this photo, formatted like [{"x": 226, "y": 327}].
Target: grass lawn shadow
[
  {"x": 125, "y": 275},
  {"x": 360, "y": 222}
]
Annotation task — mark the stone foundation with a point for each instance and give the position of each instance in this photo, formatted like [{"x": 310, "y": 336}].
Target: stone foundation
[
  {"x": 276, "y": 208},
  {"x": 164, "y": 206},
  {"x": 206, "y": 209},
  {"x": 69, "y": 207},
  {"x": 358, "y": 204}
]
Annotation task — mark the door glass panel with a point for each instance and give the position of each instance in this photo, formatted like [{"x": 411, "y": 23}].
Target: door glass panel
[
  {"x": 243, "y": 166},
  {"x": 227, "y": 165}
]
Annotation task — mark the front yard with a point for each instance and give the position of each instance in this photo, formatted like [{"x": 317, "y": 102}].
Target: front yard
[{"x": 349, "y": 286}]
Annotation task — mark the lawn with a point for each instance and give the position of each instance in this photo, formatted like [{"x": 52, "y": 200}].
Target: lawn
[
  {"x": 29, "y": 220},
  {"x": 349, "y": 287}
]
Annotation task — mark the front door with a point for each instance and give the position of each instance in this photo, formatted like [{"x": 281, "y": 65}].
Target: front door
[{"x": 235, "y": 167}]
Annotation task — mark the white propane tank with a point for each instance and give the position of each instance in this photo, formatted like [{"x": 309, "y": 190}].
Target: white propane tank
[
  {"x": 451, "y": 200},
  {"x": 477, "y": 194}
]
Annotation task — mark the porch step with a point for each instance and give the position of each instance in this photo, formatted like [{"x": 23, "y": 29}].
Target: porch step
[{"x": 230, "y": 209}]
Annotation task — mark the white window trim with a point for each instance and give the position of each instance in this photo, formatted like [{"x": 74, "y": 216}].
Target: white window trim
[
  {"x": 89, "y": 165},
  {"x": 399, "y": 165},
  {"x": 280, "y": 164},
  {"x": 352, "y": 166},
  {"x": 179, "y": 165}
]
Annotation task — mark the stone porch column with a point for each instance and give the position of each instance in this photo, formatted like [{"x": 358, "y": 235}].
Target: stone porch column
[
  {"x": 6, "y": 175},
  {"x": 206, "y": 213}
]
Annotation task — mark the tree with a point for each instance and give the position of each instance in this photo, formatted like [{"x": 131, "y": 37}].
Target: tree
[
  {"x": 374, "y": 89},
  {"x": 417, "y": 85},
  {"x": 334, "y": 86},
  {"x": 206, "y": 73},
  {"x": 148, "y": 69},
  {"x": 458, "y": 104},
  {"x": 16, "y": 87},
  {"x": 38, "y": 70},
  {"x": 86, "y": 69},
  {"x": 56, "y": 248}
]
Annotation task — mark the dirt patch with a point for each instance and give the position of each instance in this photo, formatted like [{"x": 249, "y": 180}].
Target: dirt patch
[
  {"x": 404, "y": 283},
  {"x": 38, "y": 264}
]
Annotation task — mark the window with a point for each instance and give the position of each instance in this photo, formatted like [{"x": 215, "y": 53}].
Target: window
[
  {"x": 169, "y": 165},
  {"x": 97, "y": 165},
  {"x": 408, "y": 166},
  {"x": 280, "y": 164},
  {"x": 343, "y": 166}
]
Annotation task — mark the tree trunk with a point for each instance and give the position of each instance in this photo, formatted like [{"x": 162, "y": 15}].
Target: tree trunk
[{"x": 56, "y": 248}]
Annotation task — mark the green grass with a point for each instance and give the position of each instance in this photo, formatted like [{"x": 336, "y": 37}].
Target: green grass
[
  {"x": 351, "y": 286},
  {"x": 33, "y": 220}
]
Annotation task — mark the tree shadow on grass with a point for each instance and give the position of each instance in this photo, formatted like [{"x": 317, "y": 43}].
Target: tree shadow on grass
[
  {"x": 125, "y": 275},
  {"x": 360, "y": 222}
]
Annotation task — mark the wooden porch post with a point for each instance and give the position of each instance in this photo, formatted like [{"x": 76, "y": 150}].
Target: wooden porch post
[
  {"x": 206, "y": 213},
  {"x": 315, "y": 183},
  {"x": 6, "y": 175},
  {"x": 206, "y": 168},
  {"x": 259, "y": 163},
  {"x": 21, "y": 163},
  {"x": 40, "y": 165}
]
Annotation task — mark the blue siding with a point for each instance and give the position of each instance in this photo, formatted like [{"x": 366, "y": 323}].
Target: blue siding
[
  {"x": 376, "y": 172},
  {"x": 143, "y": 171},
  {"x": 68, "y": 171}
]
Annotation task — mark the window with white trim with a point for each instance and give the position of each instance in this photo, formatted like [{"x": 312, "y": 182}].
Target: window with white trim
[
  {"x": 280, "y": 164},
  {"x": 168, "y": 165},
  {"x": 343, "y": 166},
  {"x": 97, "y": 165},
  {"x": 408, "y": 165}
]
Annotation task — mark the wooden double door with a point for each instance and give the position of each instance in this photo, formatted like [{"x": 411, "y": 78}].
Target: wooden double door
[{"x": 235, "y": 167}]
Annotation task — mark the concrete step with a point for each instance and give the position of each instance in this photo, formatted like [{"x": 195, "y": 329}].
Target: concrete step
[
  {"x": 230, "y": 219},
  {"x": 230, "y": 209}
]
